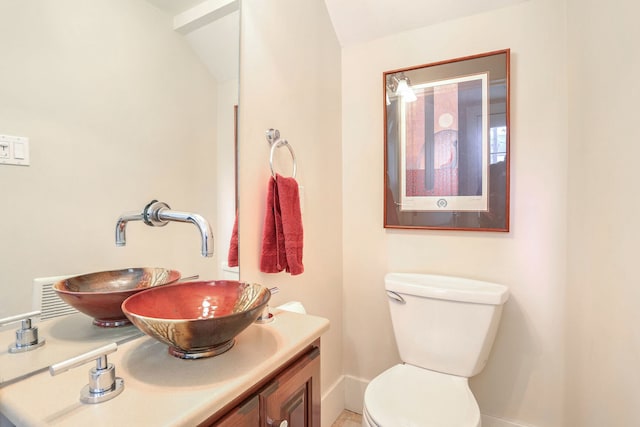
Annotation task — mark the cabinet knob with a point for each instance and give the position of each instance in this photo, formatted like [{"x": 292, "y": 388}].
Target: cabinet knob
[{"x": 277, "y": 423}]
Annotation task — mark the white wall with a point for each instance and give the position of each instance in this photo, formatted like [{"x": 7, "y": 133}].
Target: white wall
[
  {"x": 603, "y": 293},
  {"x": 290, "y": 80},
  {"x": 119, "y": 111},
  {"x": 524, "y": 379}
]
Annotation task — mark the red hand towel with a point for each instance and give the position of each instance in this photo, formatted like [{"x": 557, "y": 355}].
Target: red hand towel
[
  {"x": 289, "y": 199},
  {"x": 272, "y": 255},
  {"x": 232, "y": 258},
  {"x": 282, "y": 235}
]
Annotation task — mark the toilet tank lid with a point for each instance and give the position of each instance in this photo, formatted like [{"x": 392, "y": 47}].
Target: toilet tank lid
[{"x": 447, "y": 288}]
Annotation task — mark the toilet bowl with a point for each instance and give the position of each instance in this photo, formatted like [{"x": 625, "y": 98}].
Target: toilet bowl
[
  {"x": 444, "y": 328},
  {"x": 408, "y": 396}
]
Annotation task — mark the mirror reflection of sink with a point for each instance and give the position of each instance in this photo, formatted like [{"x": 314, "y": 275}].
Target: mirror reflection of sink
[
  {"x": 100, "y": 295},
  {"x": 197, "y": 319}
]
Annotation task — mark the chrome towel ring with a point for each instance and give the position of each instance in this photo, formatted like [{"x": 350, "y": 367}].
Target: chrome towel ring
[{"x": 273, "y": 137}]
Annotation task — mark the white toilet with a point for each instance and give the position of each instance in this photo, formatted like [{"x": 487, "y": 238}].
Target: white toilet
[{"x": 444, "y": 328}]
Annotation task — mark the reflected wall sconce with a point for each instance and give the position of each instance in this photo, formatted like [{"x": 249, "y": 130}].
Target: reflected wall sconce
[{"x": 400, "y": 85}]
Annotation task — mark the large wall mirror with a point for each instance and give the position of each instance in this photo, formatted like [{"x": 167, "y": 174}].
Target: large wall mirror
[
  {"x": 447, "y": 144},
  {"x": 123, "y": 101}
]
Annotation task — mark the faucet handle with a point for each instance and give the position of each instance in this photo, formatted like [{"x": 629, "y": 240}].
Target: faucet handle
[
  {"x": 103, "y": 383},
  {"x": 27, "y": 336}
]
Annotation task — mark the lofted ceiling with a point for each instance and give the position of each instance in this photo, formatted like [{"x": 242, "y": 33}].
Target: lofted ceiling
[
  {"x": 174, "y": 7},
  {"x": 210, "y": 25},
  {"x": 212, "y": 28},
  {"x": 356, "y": 21}
]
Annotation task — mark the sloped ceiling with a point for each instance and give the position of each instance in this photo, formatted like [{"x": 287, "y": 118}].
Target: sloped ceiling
[
  {"x": 357, "y": 21},
  {"x": 354, "y": 21},
  {"x": 212, "y": 28},
  {"x": 174, "y": 7}
]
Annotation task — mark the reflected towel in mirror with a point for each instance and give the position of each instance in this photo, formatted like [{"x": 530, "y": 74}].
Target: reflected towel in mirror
[{"x": 232, "y": 258}]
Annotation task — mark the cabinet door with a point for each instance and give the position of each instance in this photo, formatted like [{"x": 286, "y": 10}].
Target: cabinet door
[
  {"x": 247, "y": 414},
  {"x": 294, "y": 395}
]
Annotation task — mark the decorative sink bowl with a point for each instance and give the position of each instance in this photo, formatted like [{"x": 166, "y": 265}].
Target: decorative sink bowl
[
  {"x": 100, "y": 295},
  {"x": 197, "y": 319}
]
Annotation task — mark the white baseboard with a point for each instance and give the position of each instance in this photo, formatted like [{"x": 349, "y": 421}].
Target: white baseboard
[
  {"x": 489, "y": 421},
  {"x": 354, "y": 393},
  {"x": 332, "y": 403}
]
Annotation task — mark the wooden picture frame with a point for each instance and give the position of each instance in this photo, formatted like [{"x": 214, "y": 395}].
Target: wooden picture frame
[{"x": 446, "y": 147}]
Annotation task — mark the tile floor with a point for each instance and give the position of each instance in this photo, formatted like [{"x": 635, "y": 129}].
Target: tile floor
[{"x": 348, "y": 419}]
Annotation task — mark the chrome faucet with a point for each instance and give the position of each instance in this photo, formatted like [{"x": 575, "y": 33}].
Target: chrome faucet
[{"x": 158, "y": 214}]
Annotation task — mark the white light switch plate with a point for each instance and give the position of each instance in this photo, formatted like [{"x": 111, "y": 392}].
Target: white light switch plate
[{"x": 14, "y": 150}]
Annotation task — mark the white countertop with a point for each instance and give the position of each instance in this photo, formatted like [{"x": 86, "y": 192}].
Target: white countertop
[
  {"x": 161, "y": 390},
  {"x": 65, "y": 337}
]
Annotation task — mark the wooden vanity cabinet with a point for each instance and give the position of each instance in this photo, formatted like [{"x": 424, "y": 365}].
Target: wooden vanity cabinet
[
  {"x": 291, "y": 394},
  {"x": 246, "y": 414},
  {"x": 294, "y": 395}
]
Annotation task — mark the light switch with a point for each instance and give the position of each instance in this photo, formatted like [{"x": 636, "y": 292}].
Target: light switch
[
  {"x": 14, "y": 150},
  {"x": 18, "y": 150}
]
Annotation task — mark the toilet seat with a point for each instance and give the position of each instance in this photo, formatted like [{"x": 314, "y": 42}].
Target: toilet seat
[{"x": 408, "y": 396}]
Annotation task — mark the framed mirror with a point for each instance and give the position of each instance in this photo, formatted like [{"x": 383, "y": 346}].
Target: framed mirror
[{"x": 447, "y": 144}]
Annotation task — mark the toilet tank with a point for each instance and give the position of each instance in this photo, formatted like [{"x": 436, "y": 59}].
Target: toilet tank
[{"x": 442, "y": 323}]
